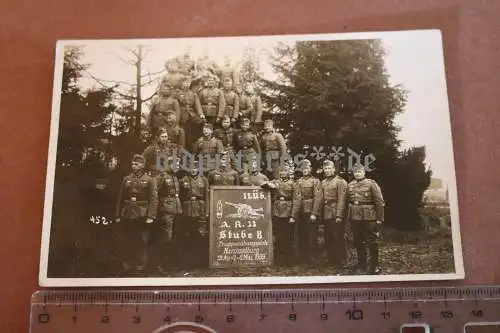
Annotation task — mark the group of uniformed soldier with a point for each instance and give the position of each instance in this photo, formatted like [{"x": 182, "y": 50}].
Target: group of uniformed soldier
[{"x": 164, "y": 211}]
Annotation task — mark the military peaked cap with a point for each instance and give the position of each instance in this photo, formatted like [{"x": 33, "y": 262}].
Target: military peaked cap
[{"x": 138, "y": 158}]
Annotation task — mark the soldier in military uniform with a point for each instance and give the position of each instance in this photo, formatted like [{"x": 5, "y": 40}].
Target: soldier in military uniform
[
  {"x": 176, "y": 134},
  {"x": 194, "y": 198},
  {"x": 228, "y": 71},
  {"x": 224, "y": 174},
  {"x": 208, "y": 148},
  {"x": 231, "y": 102},
  {"x": 172, "y": 79},
  {"x": 227, "y": 135},
  {"x": 253, "y": 177},
  {"x": 191, "y": 113},
  {"x": 160, "y": 109},
  {"x": 307, "y": 209},
  {"x": 257, "y": 109},
  {"x": 366, "y": 215},
  {"x": 160, "y": 153},
  {"x": 212, "y": 100},
  {"x": 246, "y": 144},
  {"x": 169, "y": 208},
  {"x": 135, "y": 211},
  {"x": 273, "y": 148},
  {"x": 284, "y": 222},
  {"x": 245, "y": 105},
  {"x": 334, "y": 201}
]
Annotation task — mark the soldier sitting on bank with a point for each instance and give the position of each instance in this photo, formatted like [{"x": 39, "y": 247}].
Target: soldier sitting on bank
[
  {"x": 284, "y": 222},
  {"x": 366, "y": 215},
  {"x": 135, "y": 211},
  {"x": 195, "y": 197}
]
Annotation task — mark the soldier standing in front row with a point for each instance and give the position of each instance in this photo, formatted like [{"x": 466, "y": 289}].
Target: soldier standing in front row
[
  {"x": 169, "y": 208},
  {"x": 194, "y": 196},
  {"x": 366, "y": 215},
  {"x": 334, "y": 200},
  {"x": 284, "y": 223},
  {"x": 307, "y": 209},
  {"x": 135, "y": 211}
]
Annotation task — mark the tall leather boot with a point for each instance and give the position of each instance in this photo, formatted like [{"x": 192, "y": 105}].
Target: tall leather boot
[{"x": 374, "y": 263}]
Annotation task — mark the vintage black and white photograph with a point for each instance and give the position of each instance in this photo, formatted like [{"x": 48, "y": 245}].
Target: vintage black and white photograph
[{"x": 322, "y": 158}]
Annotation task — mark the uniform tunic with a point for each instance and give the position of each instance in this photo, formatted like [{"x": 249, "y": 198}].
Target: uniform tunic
[
  {"x": 208, "y": 148},
  {"x": 212, "y": 102},
  {"x": 273, "y": 149},
  {"x": 308, "y": 201},
  {"x": 226, "y": 176},
  {"x": 137, "y": 201},
  {"x": 284, "y": 194},
  {"x": 232, "y": 105},
  {"x": 161, "y": 108},
  {"x": 334, "y": 203},
  {"x": 365, "y": 207}
]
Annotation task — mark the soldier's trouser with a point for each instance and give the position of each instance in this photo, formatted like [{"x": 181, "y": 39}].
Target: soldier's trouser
[
  {"x": 285, "y": 234},
  {"x": 335, "y": 242},
  {"x": 308, "y": 238},
  {"x": 365, "y": 238},
  {"x": 134, "y": 241},
  {"x": 187, "y": 241},
  {"x": 272, "y": 168},
  {"x": 162, "y": 249}
]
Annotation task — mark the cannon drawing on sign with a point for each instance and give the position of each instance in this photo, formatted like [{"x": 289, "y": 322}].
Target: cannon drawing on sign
[{"x": 246, "y": 211}]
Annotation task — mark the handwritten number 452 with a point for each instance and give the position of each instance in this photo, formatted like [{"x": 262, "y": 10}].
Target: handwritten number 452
[{"x": 100, "y": 220}]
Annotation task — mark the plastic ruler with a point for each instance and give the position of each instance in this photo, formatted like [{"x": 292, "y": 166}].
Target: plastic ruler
[{"x": 471, "y": 309}]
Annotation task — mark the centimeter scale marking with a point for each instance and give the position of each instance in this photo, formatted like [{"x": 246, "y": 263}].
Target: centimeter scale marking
[{"x": 441, "y": 309}]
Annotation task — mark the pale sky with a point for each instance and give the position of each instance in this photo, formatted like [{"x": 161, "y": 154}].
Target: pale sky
[{"x": 414, "y": 60}]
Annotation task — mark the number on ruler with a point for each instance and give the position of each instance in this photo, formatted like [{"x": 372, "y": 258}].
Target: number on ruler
[
  {"x": 43, "y": 318},
  {"x": 416, "y": 314},
  {"x": 262, "y": 316},
  {"x": 386, "y": 315},
  {"x": 167, "y": 319},
  {"x": 75, "y": 319},
  {"x": 136, "y": 319},
  {"x": 198, "y": 318},
  {"x": 447, "y": 314},
  {"x": 354, "y": 314},
  {"x": 477, "y": 313},
  {"x": 105, "y": 319},
  {"x": 230, "y": 318},
  {"x": 292, "y": 317},
  {"x": 324, "y": 316}
]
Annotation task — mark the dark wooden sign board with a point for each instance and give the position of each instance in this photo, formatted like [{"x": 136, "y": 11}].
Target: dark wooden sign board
[{"x": 241, "y": 233}]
